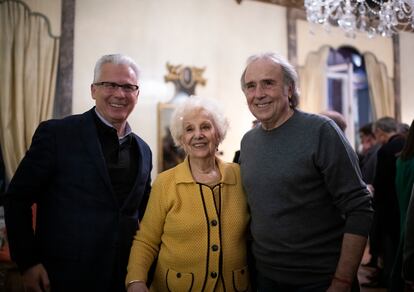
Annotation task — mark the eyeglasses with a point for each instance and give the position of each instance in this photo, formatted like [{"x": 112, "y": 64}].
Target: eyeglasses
[{"x": 112, "y": 86}]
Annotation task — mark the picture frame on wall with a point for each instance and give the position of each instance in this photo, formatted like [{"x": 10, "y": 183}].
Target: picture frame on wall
[{"x": 169, "y": 155}]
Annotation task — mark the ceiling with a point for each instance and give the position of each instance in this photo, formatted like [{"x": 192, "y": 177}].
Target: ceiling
[
  {"x": 288, "y": 3},
  {"x": 300, "y": 5}
]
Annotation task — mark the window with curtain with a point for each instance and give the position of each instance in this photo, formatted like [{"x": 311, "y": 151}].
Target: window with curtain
[{"x": 28, "y": 69}]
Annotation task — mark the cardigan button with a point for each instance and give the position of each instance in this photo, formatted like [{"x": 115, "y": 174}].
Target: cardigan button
[
  {"x": 214, "y": 247},
  {"x": 178, "y": 275},
  {"x": 214, "y": 222},
  {"x": 213, "y": 275}
]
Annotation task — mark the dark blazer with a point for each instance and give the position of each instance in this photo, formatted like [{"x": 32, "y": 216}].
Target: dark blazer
[
  {"x": 83, "y": 237},
  {"x": 385, "y": 198}
]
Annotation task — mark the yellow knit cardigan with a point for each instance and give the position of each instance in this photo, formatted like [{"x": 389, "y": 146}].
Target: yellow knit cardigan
[{"x": 196, "y": 248}]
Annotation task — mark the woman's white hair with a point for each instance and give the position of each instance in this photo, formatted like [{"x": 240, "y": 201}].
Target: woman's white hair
[{"x": 192, "y": 104}]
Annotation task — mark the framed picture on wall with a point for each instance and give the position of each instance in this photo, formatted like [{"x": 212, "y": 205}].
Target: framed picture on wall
[{"x": 169, "y": 155}]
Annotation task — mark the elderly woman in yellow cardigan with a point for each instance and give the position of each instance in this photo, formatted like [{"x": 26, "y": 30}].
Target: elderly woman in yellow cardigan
[{"x": 197, "y": 217}]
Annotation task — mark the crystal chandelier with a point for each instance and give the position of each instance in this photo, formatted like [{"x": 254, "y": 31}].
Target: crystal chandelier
[{"x": 373, "y": 17}]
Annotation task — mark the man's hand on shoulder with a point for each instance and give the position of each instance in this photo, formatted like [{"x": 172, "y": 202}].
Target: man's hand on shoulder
[{"x": 36, "y": 279}]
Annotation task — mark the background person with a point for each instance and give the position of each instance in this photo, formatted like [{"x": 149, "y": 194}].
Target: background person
[
  {"x": 403, "y": 129},
  {"x": 404, "y": 176},
  {"x": 404, "y": 181},
  {"x": 196, "y": 221},
  {"x": 90, "y": 178},
  {"x": 386, "y": 233},
  {"x": 408, "y": 251},
  {"x": 311, "y": 211},
  {"x": 368, "y": 162},
  {"x": 337, "y": 117},
  {"x": 368, "y": 154}
]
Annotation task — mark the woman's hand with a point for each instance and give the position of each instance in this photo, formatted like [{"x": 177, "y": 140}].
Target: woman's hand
[{"x": 137, "y": 287}]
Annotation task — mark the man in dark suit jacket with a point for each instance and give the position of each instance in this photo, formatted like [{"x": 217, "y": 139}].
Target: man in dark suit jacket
[
  {"x": 90, "y": 178},
  {"x": 386, "y": 227}
]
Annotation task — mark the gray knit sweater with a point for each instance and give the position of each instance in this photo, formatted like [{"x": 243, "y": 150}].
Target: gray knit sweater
[{"x": 305, "y": 191}]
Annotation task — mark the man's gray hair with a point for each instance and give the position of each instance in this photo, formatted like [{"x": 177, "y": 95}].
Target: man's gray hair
[
  {"x": 192, "y": 104},
  {"x": 386, "y": 124},
  {"x": 117, "y": 59},
  {"x": 290, "y": 76}
]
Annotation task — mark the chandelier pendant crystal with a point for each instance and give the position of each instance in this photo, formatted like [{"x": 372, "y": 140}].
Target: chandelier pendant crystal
[{"x": 373, "y": 17}]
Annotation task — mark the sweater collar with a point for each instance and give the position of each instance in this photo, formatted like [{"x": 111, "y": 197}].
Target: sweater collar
[{"x": 183, "y": 172}]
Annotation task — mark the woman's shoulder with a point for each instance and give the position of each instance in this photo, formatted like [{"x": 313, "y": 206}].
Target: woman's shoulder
[
  {"x": 178, "y": 174},
  {"x": 230, "y": 171},
  {"x": 228, "y": 164}
]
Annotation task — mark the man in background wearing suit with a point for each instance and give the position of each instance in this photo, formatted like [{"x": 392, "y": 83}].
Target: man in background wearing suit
[
  {"x": 90, "y": 178},
  {"x": 386, "y": 232}
]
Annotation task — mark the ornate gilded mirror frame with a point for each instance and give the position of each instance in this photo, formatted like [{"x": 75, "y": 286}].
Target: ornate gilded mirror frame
[{"x": 168, "y": 154}]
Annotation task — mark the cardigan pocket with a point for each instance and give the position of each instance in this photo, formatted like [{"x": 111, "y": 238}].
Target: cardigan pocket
[
  {"x": 178, "y": 282},
  {"x": 241, "y": 279}
]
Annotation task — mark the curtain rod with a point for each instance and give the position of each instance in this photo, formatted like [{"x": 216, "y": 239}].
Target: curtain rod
[{"x": 41, "y": 15}]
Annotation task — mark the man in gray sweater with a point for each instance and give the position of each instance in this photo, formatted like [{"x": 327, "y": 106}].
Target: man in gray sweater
[{"x": 311, "y": 212}]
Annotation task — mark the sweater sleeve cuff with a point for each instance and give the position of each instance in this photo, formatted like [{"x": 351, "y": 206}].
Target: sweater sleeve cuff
[{"x": 359, "y": 223}]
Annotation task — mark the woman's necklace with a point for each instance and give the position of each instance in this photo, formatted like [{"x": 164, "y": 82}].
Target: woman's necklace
[{"x": 208, "y": 177}]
